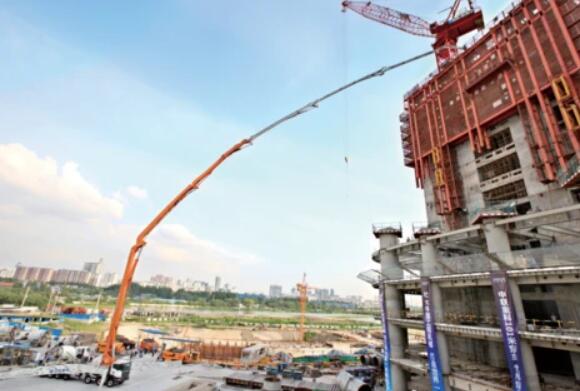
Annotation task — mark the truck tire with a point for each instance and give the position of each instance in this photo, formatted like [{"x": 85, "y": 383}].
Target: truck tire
[
  {"x": 110, "y": 382},
  {"x": 87, "y": 379}
]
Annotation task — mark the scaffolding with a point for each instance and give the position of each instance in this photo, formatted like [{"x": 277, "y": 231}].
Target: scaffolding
[{"x": 526, "y": 64}]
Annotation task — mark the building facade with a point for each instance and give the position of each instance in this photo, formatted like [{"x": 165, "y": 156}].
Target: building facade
[
  {"x": 493, "y": 138},
  {"x": 498, "y": 126}
]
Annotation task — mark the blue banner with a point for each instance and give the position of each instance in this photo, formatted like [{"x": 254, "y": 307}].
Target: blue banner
[
  {"x": 435, "y": 371},
  {"x": 509, "y": 329},
  {"x": 386, "y": 338}
]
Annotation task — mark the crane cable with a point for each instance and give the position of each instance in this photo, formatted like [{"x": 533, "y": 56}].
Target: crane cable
[{"x": 346, "y": 125}]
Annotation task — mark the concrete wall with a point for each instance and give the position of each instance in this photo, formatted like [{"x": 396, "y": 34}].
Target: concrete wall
[
  {"x": 541, "y": 196},
  {"x": 567, "y": 299},
  {"x": 477, "y": 301},
  {"x": 471, "y": 190},
  {"x": 432, "y": 216}
]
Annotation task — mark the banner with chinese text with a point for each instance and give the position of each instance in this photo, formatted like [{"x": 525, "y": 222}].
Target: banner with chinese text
[
  {"x": 386, "y": 338},
  {"x": 509, "y": 329},
  {"x": 435, "y": 371}
]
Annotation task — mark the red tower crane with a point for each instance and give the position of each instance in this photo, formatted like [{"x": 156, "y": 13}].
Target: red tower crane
[{"x": 446, "y": 33}]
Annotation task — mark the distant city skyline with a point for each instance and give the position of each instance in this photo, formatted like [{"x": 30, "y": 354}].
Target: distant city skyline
[
  {"x": 92, "y": 273},
  {"x": 98, "y": 134}
]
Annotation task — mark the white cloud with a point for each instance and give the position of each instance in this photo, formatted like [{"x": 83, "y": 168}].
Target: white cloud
[
  {"x": 50, "y": 215},
  {"x": 137, "y": 192},
  {"x": 175, "y": 243},
  {"x": 41, "y": 185}
]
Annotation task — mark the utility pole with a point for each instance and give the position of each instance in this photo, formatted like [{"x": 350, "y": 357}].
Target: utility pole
[
  {"x": 49, "y": 300},
  {"x": 98, "y": 302},
  {"x": 25, "y": 296}
]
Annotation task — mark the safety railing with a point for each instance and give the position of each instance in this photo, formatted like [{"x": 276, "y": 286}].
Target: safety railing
[
  {"x": 387, "y": 228},
  {"x": 564, "y": 255},
  {"x": 505, "y": 207},
  {"x": 544, "y": 257},
  {"x": 423, "y": 228},
  {"x": 559, "y": 257}
]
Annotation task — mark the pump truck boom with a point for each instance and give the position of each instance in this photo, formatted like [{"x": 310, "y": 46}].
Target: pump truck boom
[{"x": 140, "y": 242}]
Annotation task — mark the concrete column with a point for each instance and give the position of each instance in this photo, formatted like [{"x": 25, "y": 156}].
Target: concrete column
[
  {"x": 390, "y": 266},
  {"x": 431, "y": 268},
  {"x": 391, "y": 269},
  {"x": 497, "y": 241},
  {"x": 575, "y": 357}
]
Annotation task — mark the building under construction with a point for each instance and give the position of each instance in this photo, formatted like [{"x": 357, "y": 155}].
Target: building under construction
[{"x": 493, "y": 139}]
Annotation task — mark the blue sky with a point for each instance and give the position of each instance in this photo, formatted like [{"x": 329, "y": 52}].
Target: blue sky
[{"x": 109, "y": 108}]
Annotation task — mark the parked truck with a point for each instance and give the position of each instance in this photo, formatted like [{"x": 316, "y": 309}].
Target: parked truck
[{"x": 89, "y": 373}]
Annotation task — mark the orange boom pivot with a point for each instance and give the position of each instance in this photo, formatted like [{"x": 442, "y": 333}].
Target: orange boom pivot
[{"x": 133, "y": 259}]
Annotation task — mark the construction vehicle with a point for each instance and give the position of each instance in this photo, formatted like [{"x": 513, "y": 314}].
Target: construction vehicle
[
  {"x": 73, "y": 310},
  {"x": 255, "y": 355},
  {"x": 128, "y": 344},
  {"x": 184, "y": 354},
  {"x": 148, "y": 345},
  {"x": 116, "y": 375},
  {"x": 87, "y": 373},
  {"x": 119, "y": 347},
  {"x": 122, "y": 345},
  {"x": 140, "y": 242},
  {"x": 446, "y": 32}
]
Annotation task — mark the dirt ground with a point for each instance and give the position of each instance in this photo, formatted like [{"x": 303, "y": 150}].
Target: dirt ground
[
  {"x": 276, "y": 339},
  {"x": 131, "y": 330}
]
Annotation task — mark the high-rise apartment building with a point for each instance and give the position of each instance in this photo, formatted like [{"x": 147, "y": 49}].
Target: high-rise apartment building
[
  {"x": 275, "y": 291},
  {"x": 34, "y": 274},
  {"x": 94, "y": 267}
]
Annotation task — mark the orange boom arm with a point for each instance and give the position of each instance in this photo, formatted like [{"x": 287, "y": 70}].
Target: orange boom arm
[{"x": 133, "y": 259}]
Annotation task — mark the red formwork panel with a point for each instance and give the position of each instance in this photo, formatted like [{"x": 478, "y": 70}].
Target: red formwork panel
[
  {"x": 453, "y": 115},
  {"x": 526, "y": 64}
]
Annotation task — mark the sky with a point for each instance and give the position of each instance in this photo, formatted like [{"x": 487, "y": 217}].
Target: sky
[{"x": 109, "y": 108}]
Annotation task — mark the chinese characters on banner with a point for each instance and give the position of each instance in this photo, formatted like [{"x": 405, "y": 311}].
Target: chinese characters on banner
[
  {"x": 435, "y": 370},
  {"x": 509, "y": 329},
  {"x": 386, "y": 339}
]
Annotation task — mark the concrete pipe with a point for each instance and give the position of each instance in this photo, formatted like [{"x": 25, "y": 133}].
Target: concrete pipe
[{"x": 347, "y": 382}]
